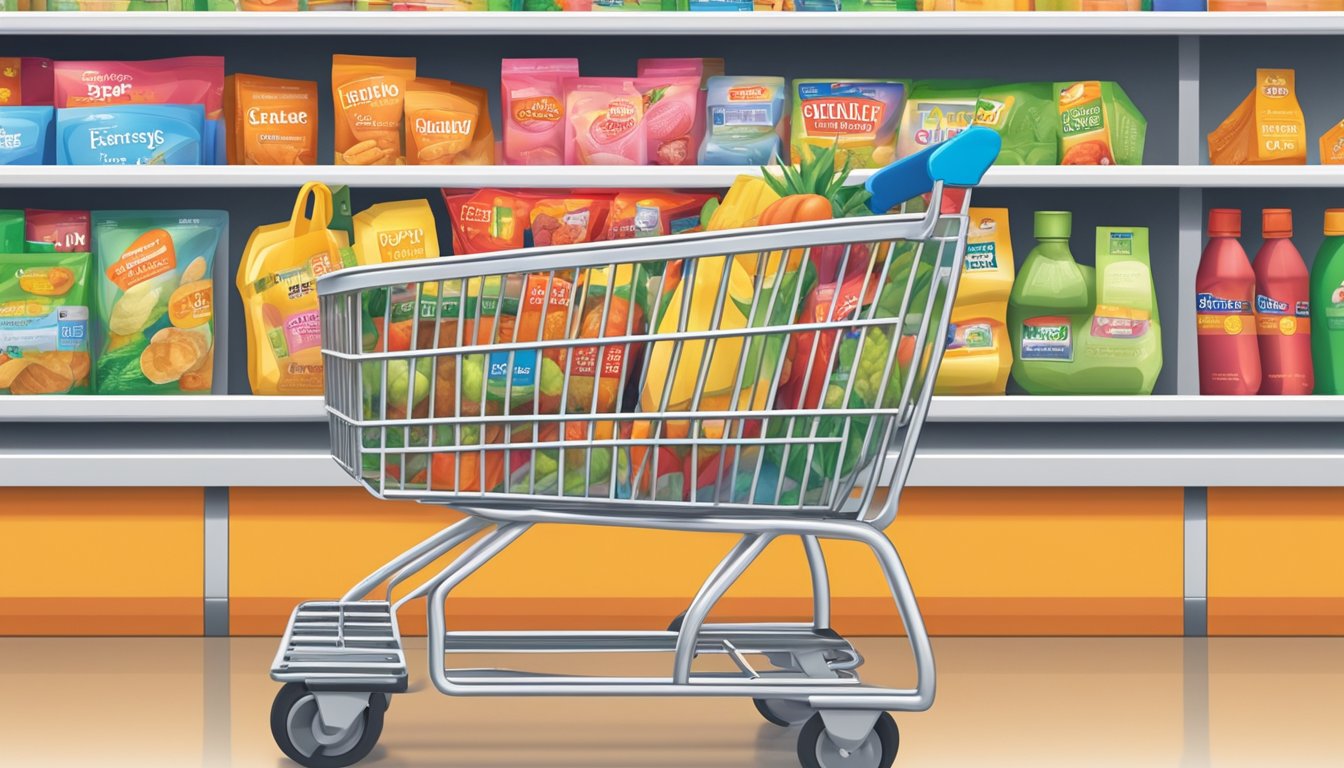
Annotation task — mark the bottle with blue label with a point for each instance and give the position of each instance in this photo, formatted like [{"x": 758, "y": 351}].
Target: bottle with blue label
[{"x": 1076, "y": 330}]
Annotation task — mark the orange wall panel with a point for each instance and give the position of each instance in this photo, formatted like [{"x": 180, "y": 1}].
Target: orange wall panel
[
  {"x": 86, "y": 561},
  {"x": 1274, "y": 561},
  {"x": 984, "y": 561}
]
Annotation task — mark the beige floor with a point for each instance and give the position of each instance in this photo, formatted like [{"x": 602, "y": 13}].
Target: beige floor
[{"x": 1002, "y": 702}]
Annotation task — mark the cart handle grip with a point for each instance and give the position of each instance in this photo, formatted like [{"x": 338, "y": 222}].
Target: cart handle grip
[{"x": 958, "y": 162}]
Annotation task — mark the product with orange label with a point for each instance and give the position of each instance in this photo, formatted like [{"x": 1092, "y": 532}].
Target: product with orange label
[
  {"x": 1098, "y": 124},
  {"x": 271, "y": 121},
  {"x": 448, "y": 124},
  {"x": 155, "y": 300},
  {"x": 532, "y": 95},
  {"x": 1266, "y": 128},
  {"x": 649, "y": 213},
  {"x": 44, "y": 323},
  {"x": 490, "y": 220},
  {"x": 369, "y": 96},
  {"x": 277, "y": 280}
]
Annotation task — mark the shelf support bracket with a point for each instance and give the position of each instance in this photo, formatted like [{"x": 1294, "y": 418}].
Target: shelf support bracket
[{"x": 1196, "y": 604}]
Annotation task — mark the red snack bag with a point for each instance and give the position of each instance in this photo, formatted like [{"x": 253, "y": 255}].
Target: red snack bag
[
  {"x": 183, "y": 80},
  {"x": 61, "y": 231},
  {"x": 489, "y": 220},
  {"x": 568, "y": 220}
]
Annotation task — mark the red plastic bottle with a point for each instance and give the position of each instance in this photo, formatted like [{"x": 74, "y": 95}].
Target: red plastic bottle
[
  {"x": 1283, "y": 309},
  {"x": 1229, "y": 353}
]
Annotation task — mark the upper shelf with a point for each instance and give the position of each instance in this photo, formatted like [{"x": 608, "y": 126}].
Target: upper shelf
[
  {"x": 679, "y": 177},
  {"x": 672, "y": 24}
]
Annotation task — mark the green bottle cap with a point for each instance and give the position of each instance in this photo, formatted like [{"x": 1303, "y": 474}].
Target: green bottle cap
[{"x": 1053, "y": 225}]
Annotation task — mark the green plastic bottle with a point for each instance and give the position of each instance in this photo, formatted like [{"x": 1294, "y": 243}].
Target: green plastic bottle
[
  {"x": 1080, "y": 331},
  {"x": 1327, "y": 307}
]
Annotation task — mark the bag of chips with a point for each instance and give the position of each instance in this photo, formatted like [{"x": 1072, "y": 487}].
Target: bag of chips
[
  {"x": 448, "y": 124},
  {"x": 271, "y": 121},
  {"x": 369, "y": 94},
  {"x": 44, "y": 324}
]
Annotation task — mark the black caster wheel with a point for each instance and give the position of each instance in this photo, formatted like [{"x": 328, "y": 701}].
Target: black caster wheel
[
  {"x": 816, "y": 750},
  {"x": 299, "y": 732},
  {"x": 783, "y": 712}
]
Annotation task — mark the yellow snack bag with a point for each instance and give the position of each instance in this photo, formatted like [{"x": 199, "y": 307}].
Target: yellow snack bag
[
  {"x": 399, "y": 231},
  {"x": 1266, "y": 128},
  {"x": 369, "y": 93},
  {"x": 278, "y": 283},
  {"x": 448, "y": 124}
]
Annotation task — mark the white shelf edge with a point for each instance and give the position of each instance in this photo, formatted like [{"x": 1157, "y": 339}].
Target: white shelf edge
[
  {"x": 981, "y": 410},
  {"x": 673, "y": 177},
  {"x": 365, "y": 24}
]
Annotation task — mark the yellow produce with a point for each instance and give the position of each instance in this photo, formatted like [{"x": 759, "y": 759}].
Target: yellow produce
[{"x": 742, "y": 206}]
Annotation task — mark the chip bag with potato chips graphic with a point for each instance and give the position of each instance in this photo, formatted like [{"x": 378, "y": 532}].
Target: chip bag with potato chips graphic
[
  {"x": 44, "y": 324},
  {"x": 369, "y": 93},
  {"x": 156, "y": 300}
]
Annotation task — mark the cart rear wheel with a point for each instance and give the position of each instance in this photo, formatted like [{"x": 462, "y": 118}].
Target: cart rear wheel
[
  {"x": 300, "y": 734},
  {"x": 816, "y": 750},
  {"x": 784, "y": 712}
]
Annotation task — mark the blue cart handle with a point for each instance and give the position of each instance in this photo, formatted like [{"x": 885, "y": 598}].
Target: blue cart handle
[{"x": 958, "y": 162}]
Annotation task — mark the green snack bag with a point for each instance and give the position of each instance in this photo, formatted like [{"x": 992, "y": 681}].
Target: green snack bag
[
  {"x": 156, "y": 300},
  {"x": 11, "y": 231},
  {"x": 1024, "y": 116},
  {"x": 44, "y": 324},
  {"x": 1099, "y": 125},
  {"x": 935, "y": 111}
]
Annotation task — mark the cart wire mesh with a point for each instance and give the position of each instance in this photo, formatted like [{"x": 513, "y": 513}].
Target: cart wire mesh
[{"x": 772, "y": 371}]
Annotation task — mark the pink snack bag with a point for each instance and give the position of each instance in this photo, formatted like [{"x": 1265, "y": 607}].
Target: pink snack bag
[
  {"x": 532, "y": 92},
  {"x": 664, "y": 83},
  {"x": 38, "y": 88},
  {"x": 63, "y": 231},
  {"x": 183, "y": 80},
  {"x": 604, "y": 122}
]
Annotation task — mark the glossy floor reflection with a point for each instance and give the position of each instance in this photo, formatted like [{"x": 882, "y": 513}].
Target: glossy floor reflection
[{"x": 1002, "y": 702}]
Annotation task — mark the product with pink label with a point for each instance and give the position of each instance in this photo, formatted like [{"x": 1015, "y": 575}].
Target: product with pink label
[
  {"x": 532, "y": 94},
  {"x": 604, "y": 122},
  {"x": 674, "y": 107}
]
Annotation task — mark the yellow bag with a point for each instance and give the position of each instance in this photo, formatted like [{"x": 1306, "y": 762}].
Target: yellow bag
[{"x": 278, "y": 283}]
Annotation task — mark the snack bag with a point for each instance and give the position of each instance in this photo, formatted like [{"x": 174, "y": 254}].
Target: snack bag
[
  {"x": 533, "y": 103},
  {"x": 11, "y": 81},
  {"x": 1023, "y": 114},
  {"x": 650, "y": 213},
  {"x": 448, "y": 124},
  {"x": 1332, "y": 145},
  {"x": 935, "y": 111},
  {"x": 604, "y": 119},
  {"x": 746, "y": 121},
  {"x": 156, "y": 300},
  {"x": 858, "y": 117},
  {"x": 490, "y": 220},
  {"x": 25, "y": 135},
  {"x": 671, "y": 104},
  {"x": 183, "y": 80},
  {"x": 56, "y": 232},
  {"x": 133, "y": 135},
  {"x": 44, "y": 324},
  {"x": 369, "y": 94},
  {"x": 277, "y": 279},
  {"x": 400, "y": 231},
  {"x": 569, "y": 220},
  {"x": 1099, "y": 125},
  {"x": 271, "y": 121},
  {"x": 1266, "y": 128}
]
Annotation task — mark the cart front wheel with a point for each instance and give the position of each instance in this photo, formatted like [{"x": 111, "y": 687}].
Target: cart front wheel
[
  {"x": 297, "y": 727},
  {"x": 816, "y": 750},
  {"x": 783, "y": 712}
]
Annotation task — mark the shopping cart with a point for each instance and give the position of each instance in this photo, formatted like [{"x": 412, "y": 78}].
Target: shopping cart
[{"x": 767, "y": 382}]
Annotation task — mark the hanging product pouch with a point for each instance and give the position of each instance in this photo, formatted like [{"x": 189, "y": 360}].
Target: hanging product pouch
[
  {"x": 1266, "y": 128},
  {"x": 277, "y": 280},
  {"x": 156, "y": 300},
  {"x": 44, "y": 324}
]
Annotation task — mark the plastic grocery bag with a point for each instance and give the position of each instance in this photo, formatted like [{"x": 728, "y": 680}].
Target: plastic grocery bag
[{"x": 278, "y": 283}]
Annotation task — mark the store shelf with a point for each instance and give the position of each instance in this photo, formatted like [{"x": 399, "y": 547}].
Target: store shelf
[
  {"x": 678, "y": 177},
  {"x": 153, "y": 408},
  {"x": 364, "y": 24}
]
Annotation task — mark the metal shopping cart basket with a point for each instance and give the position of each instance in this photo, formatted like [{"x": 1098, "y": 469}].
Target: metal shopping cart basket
[{"x": 767, "y": 382}]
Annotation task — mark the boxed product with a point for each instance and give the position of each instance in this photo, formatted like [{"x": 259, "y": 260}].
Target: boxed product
[
  {"x": 44, "y": 323},
  {"x": 369, "y": 94},
  {"x": 1099, "y": 125},
  {"x": 935, "y": 111},
  {"x": 533, "y": 105},
  {"x": 271, "y": 121},
  {"x": 746, "y": 122},
  {"x": 1266, "y": 128},
  {"x": 155, "y": 290},
  {"x": 857, "y": 117}
]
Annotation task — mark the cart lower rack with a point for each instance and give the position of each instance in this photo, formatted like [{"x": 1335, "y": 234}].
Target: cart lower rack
[{"x": 770, "y": 383}]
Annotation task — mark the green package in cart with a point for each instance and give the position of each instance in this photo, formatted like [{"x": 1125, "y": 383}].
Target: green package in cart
[{"x": 156, "y": 299}]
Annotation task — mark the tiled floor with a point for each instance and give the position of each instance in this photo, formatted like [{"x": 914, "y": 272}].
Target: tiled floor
[{"x": 1002, "y": 702}]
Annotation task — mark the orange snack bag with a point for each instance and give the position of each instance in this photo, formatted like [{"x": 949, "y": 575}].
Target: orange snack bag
[
  {"x": 448, "y": 124},
  {"x": 1332, "y": 145},
  {"x": 569, "y": 220},
  {"x": 369, "y": 95},
  {"x": 271, "y": 121},
  {"x": 1266, "y": 128}
]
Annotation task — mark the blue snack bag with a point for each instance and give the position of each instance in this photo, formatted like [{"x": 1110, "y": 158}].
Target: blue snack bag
[
  {"x": 25, "y": 135},
  {"x": 132, "y": 135}
]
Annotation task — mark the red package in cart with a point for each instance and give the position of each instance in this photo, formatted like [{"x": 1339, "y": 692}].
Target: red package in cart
[
  {"x": 56, "y": 231},
  {"x": 490, "y": 220},
  {"x": 647, "y": 213}
]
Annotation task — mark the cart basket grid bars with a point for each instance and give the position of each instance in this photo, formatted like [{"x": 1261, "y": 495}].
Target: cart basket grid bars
[{"x": 752, "y": 372}]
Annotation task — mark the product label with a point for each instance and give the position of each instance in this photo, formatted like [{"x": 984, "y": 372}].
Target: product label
[
  {"x": 970, "y": 336},
  {"x": 980, "y": 257},
  {"x": 1220, "y": 316},
  {"x": 1047, "y": 338},
  {"x": 731, "y": 117},
  {"x": 402, "y": 244},
  {"x": 303, "y": 331},
  {"x": 1119, "y": 323},
  {"x": 192, "y": 304},
  {"x": 993, "y": 113},
  {"x": 545, "y": 109},
  {"x": 152, "y": 254},
  {"x": 842, "y": 116},
  {"x": 1279, "y": 318},
  {"x": 940, "y": 122},
  {"x": 1334, "y": 310},
  {"x": 38, "y": 329}
]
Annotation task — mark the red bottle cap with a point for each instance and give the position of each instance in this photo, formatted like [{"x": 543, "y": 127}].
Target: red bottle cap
[
  {"x": 1225, "y": 222},
  {"x": 1276, "y": 222}
]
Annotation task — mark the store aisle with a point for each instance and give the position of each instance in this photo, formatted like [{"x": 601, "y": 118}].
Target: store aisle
[{"x": 1002, "y": 702}]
